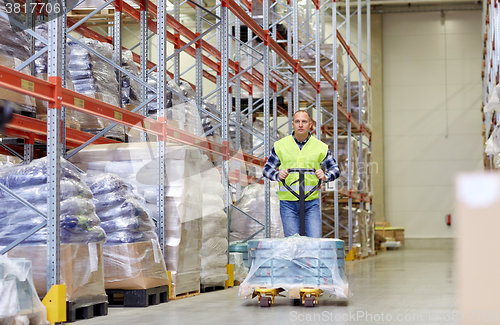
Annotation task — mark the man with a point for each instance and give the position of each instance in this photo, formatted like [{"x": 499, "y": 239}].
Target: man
[{"x": 300, "y": 150}]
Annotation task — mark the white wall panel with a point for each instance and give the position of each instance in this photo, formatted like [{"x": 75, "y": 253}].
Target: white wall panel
[{"x": 432, "y": 116}]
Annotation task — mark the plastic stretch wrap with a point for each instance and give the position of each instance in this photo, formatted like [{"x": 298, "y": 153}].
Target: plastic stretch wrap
[
  {"x": 252, "y": 203},
  {"x": 19, "y": 302},
  {"x": 134, "y": 266},
  {"x": 355, "y": 105},
  {"x": 245, "y": 137},
  {"x": 41, "y": 70},
  {"x": 136, "y": 163},
  {"x": 370, "y": 232},
  {"x": 493, "y": 142},
  {"x": 295, "y": 262},
  {"x": 131, "y": 89},
  {"x": 343, "y": 161},
  {"x": 14, "y": 50},
  {"x": 366, "y": 169},
  {"x": 240, "y": 271},
  {"x": 81, "y": 268},
  {"x": 363, "y": 231},
  {"x": 79, "y": 223},
  {"x": 358, "y": 225},
  {"x": 214, "y": 242},
  {"x": 95, "y": 78}
]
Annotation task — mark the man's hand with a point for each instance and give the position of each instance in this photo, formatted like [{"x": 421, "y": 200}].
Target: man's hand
[
  {"x": 320, "y": 174},
  {"x": 283, "y": 174}
]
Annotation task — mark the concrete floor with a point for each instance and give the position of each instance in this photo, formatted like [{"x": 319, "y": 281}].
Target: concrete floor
[{"x": 395, "y": 287}]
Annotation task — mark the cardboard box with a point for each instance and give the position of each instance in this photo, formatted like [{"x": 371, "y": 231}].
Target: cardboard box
[
  {"x": 81, "y": 268},
  {"x": 10, "y": 95},
  {"x": 134, "y": 266}
]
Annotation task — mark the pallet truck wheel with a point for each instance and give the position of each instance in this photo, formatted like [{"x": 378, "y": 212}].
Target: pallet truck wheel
[
  {"x": 309, "y": 301},
  {"x": 296, "y": 302},
  {"x": 265, "y": 301}
]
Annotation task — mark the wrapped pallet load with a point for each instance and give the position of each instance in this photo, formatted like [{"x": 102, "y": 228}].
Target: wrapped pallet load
[
  {"x": 132, "y": 254},
  {"x": 14, "y": 50},
  {"x": 93, "y": 77},
  {"x": 252, "y": 204},
  {"x": 214, "y": 238},
  {"x": 136, "y": 163},
  {"x": 81, "y": 234}
]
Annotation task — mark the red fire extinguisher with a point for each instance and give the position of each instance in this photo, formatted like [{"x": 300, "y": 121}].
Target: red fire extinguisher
[{"x": 448, "y": 219}]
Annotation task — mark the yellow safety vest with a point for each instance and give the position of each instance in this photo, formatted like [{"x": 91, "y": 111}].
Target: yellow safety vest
[{"x": 311, "y": 156}]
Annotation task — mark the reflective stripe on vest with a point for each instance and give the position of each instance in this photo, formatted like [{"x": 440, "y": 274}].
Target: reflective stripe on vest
[{"x": 311, "y": 156}]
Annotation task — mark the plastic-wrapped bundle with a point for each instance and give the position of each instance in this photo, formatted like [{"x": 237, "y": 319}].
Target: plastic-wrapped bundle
[
  {"x": 295, "y": 262},
  {"x": 370, "y": 232},
  {"x": 245, "y": 137},
  {"x": 136, "y": 164},
  {"x": 363, "y": 231},
  {"x": 357, "y": 225},
  {"x": 131, "y": 89},
  {"x": 14, "y": 50},
  {"x": 19, "y": 302},
  {"x": 132, "y": 255},
  {"x": 120, "y": 210},
  {"x": 355, "y": 107},
  {"x": 252, "y": 203},
  {"x": 214, "y": 236},
  {"x": 95, "y": 78},
  {"x": 79, "y": 223},
  {"x": 240, "y": 271},
  {"x": 367, "y": 172}
]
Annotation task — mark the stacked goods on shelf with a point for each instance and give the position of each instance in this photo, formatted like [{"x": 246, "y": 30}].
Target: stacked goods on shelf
[
  {"x": 370, "y": 232},
  {"x": 14, "y": 50},
  {"x": 252, "y": 204},
  {"x": 180, "y": 108},
  {"x": 296, "y": 262},
  {"x": 307, "y": 58},
  {"x": 343, "y": 162},
  {"x": 19, "y": 302},
  {"x": 41, "y": 70},
  {"x": 132, "y": 255},
  {"x": 367, "y": 172},
  {"x": 81, "y": 234},
  {"x": 131, "y": 89},
  {"x": 214, "y": 237},
  {"x": 93, "y": 77},
  {"x": 492, "y": 130},
  {"x": 136, "y": 163},
  {"x": 355, "y": 106}
]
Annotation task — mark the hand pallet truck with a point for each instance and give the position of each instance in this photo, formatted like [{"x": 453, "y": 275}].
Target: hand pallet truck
[{"x": 308, "y": 296}]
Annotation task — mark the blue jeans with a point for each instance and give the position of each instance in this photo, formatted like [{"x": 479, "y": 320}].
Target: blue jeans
[{"x": 291, "y": 221}]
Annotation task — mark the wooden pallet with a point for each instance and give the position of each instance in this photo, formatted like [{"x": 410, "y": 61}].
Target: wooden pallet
[
  {"x": 186, "y": 295},
  {"x": 138, "y": 298},
  {"x": 86, "y": 308},
  {"x": 205, "y": 288}
]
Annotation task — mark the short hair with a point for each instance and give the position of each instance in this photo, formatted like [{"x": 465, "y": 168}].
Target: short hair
[{"x": 302, "y": 111}]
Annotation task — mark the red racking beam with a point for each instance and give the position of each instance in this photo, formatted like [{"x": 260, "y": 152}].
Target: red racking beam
[
  {"x": 353, "y": 57},
  {"x": 264, "y": 35}
]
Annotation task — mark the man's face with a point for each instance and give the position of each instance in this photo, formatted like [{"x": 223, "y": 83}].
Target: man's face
[{"x": 301, "y": 124}]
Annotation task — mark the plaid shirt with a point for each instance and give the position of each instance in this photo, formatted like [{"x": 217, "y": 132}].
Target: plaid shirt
[{"x": 273, "y": 162}]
